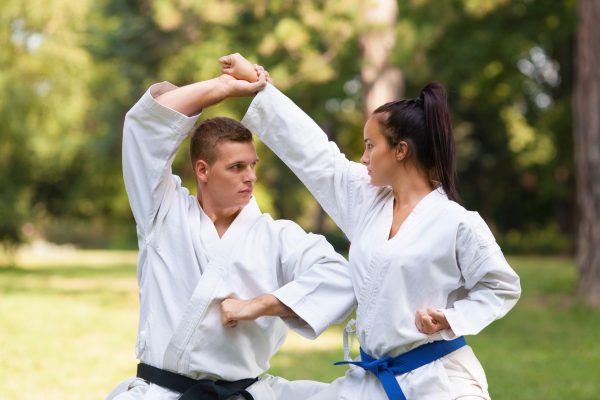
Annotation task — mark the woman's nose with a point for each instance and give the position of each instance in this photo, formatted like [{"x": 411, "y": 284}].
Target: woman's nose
[{"x": 364, "y": 159}]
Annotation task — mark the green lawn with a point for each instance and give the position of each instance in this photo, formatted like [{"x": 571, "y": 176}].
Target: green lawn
[{"x": 68, "y": 323}]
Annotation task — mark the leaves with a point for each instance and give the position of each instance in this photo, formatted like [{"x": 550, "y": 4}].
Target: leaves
[{"x": 70, "y": 70}]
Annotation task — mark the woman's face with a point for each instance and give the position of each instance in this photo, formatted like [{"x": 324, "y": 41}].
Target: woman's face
[{"x": 379, "y": 156}]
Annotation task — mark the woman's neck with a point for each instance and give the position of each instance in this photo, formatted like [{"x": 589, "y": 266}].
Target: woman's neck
[{"x": 410, "y": 187}]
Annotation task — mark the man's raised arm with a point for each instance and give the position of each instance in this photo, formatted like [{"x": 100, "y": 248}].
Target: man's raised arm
[
  {"x": 153, "y": 131},
  {"x": 191, "y": 99}
]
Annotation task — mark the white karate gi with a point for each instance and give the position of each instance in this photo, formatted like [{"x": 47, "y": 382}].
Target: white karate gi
[
  {"x": 443, "y": 256},
  {"x": 185, "y": 270}
]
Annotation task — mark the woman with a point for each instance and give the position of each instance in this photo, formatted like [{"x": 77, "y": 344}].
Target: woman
[{"x": 425, "y": 270}]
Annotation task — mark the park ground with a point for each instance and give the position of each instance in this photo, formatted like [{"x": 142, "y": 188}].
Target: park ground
[{"x": 68, "y": 321}]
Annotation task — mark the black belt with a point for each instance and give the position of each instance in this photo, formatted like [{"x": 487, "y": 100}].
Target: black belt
[{"x": 191, "y": 389}]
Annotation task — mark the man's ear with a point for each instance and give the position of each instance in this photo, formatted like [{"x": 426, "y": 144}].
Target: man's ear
[
  {"x": 401, "y": 151},
  {"x": 201, "y": 169}
]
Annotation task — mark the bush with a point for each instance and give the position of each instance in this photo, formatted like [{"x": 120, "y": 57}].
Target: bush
[{"x": 546, "y": 240}]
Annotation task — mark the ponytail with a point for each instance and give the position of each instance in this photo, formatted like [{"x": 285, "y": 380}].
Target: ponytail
[
  {"x": 438, "y": 128},
  {"x": 425, "y": 123}
]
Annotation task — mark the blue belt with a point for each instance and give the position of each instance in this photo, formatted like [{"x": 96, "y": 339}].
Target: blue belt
[{"x": 386, "y": 368}]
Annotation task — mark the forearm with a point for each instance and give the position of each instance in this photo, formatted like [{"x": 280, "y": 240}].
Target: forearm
[
  {"x": 269, "y": 305},
  {"x": 303, "y": 146},
  {"x": 234, "y": 310},
  {"x": 191, "y": 99},
  {"x": 485, "y": 303}
]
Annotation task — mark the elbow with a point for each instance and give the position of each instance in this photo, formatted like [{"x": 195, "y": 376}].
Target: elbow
[{"x": 515, "y": 287}]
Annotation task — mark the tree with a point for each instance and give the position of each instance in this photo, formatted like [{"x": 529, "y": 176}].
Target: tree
[
  {"x": 587, "y": 150},
  {"x": 44, "y": 74},
  {"x": 382, "y": 82},
  {"x": 69, "y": 74},
  {"x": 309, "y": 48},
  {"x": 507, "y": 67}
]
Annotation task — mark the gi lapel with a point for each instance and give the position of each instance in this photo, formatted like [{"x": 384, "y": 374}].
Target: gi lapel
[
  {"x": 378, "y": 268},
  {"x": 216, "y": 262}
]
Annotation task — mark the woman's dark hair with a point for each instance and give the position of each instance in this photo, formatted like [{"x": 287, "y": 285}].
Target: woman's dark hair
[{"x": 425, "y": 124}]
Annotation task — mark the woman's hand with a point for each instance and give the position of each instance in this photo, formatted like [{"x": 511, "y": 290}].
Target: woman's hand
[
  {"x": 431, "y": 321},
  {"x": 237, "y": 88},
  {"x": 240, "y": 68}
]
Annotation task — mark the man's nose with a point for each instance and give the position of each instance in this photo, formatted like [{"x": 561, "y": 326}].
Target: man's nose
[{"x": 250, "y": 175}]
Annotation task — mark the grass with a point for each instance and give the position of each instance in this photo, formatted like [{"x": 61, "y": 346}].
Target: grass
[{"x": 68, "y": 325}]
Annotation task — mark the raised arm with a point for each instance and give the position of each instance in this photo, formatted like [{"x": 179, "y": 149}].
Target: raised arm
[
  {"x": 340, "y": 186},
  {"x": 191, "y": 99},
  {"x": 155, "y": 127}
]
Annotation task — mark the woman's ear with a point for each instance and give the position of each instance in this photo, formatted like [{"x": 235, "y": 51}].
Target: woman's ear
[
  {"x": 401, "y": 151},
  {"x": 201, "y": 171}
]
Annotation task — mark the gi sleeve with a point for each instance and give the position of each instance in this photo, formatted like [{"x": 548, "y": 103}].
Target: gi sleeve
[
  {"x": 316, "y": 281},
  {"x": 339, "y": 185},
  {"x": 152, "y": 134},
  {"x": 493, "y": 287}
]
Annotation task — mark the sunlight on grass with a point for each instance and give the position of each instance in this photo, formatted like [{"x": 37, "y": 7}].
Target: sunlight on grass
[
  {"x": 67, "y": 324},
  {"x": 68, "y": 321}
]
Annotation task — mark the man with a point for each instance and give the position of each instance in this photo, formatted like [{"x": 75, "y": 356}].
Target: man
[{"x": 197, "y": 251}]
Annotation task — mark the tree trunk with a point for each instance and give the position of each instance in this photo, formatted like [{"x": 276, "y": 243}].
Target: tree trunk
[
  {"x": 381, "y": 81},
  {"x": 587, "y": 150}
]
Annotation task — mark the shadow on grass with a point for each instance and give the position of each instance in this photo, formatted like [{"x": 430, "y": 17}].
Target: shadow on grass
[
  {"x": 98, "y": 284},
  {"x": 108, "y": 272}
]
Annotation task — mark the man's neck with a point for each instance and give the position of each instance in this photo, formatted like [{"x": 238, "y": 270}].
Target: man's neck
[{"x": 221, "y": 217}]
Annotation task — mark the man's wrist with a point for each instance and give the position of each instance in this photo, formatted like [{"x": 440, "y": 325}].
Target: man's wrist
[{"x": 222, "y": 89}]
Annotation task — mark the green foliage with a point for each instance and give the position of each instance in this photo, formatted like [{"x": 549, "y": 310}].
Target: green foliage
[
  {"x": 545, "y": 240},
  {"x": 309, "y": 49},
  {"x": 69, "y": 72},
  {"x": 507, "y": 66},
  {"x": 44, "y": 78}
]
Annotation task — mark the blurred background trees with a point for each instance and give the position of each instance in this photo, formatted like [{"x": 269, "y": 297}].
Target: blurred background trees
[{"x": 70, "y": 70}]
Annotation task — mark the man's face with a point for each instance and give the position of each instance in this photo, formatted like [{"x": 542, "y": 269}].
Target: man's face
[{"x": 229, "y": 180}]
